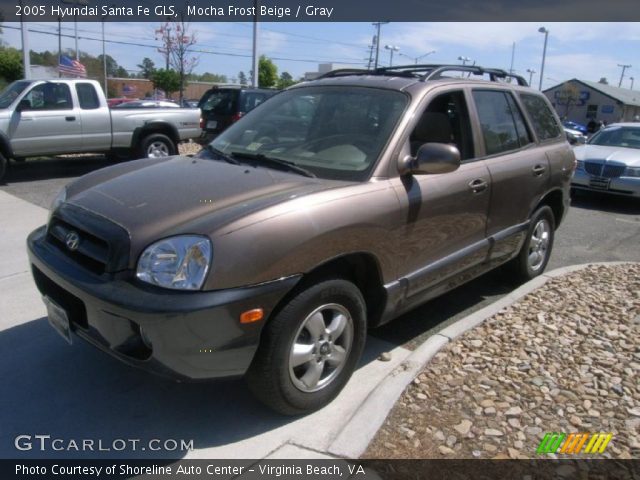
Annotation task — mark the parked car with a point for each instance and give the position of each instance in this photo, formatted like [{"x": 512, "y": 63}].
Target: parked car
[
  {"x": 610, "y": 161},
  {"x": 574, "y": 137},
  {"x": 112, "y": 102},
  {"x": 52, "y": 117},
  {"x": 222, "y": 106},
  {"x": 575, "y": 126},
  {"x": 271, "y": 252},
  {"x": 149, "y": 104}
]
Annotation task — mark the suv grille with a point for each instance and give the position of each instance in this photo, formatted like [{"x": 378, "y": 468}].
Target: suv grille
[
  {"x": 90, "y": 251},
  {"x": 610, "y": 170}
]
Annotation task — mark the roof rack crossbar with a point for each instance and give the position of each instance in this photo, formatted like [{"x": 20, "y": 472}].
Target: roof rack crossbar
[{"x": 428, "y": 72}]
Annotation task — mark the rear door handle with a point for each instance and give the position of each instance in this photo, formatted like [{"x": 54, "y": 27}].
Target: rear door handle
[
  {"x": 70, "y": 119},
  {"x": 478, "y": 185},
  {"x": 539, "y": 170}
]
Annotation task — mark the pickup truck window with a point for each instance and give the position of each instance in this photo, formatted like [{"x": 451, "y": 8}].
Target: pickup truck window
[
  {"x": 87, "y": 96},
  {"x": 339, "y": 135},
  {"x": 48, "y": 96},
  {"x": 10, "y": 93}
]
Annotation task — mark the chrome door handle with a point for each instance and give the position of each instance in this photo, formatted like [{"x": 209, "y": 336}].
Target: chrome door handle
[
  {"x": 539, "y": 170},
  {"x": 478, "y": 185}
]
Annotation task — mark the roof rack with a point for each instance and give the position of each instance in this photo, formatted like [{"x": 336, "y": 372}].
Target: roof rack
[{"x": 426, "y": 72}]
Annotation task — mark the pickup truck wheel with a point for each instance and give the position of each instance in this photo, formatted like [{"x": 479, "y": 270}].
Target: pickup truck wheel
[
  {"x": 535, "y": 253},
  {"x": 3, "y": 166},
  {"x": 309, "y": 350},
  {"x": 157, "y": 145}
]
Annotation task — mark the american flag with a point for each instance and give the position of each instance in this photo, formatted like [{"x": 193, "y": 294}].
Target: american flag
[{"x": 71, "y": 67}]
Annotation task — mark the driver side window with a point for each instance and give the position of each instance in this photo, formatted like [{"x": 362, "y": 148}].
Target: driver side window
[
  {"x": 48, "y": 96},
  {"x": 445, "y": 120}
]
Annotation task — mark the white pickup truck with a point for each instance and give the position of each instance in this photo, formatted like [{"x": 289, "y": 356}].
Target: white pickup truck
[{"x": 62, "y": 116}]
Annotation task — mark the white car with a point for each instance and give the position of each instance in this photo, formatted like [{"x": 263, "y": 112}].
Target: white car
[{"x": 610, "y": 161}]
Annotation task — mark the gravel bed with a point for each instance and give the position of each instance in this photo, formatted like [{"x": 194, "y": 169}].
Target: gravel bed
[
  {"x": 565, "y": 358},
  {"x": 187, "y": 148}
]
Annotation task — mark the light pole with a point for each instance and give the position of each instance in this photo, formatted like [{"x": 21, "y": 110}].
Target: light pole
[
  {"x": 624, "y": 68},
  {"x": 26, "y": 54},
  {"x": 391, "y": 48},
  {"x": 544, "y": 53},
  {"x": 255, "y": 60},
  {"x": 632, "y": 79},
  {"x": 75, "y": 20},
  {"x": 530, "y": 71},
  {"x": 464, "y": 60},
  {"x": 415, "y": 59},
  {"x": 378, "y": 25}
]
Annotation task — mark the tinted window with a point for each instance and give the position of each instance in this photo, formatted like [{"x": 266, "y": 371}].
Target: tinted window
[
  {"x": 251, "y": 100},
  {"x": 10, "y": 93},
  {"x": 628, "y": 137},
  {"x": 48, "y": 96},
  {"x": 222, "y": 102},
  {"x": 541, "y": 116},
  {"x": 87, "y": 96},
  {"x": 496, "y": 119},
  {"x": 521, "y": 127}
]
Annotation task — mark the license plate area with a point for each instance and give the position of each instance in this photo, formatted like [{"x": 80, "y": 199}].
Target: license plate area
[
  {"x": 599, "y": 183},
  {"x": 212, "y": 124},
  {"x": 58, "y": 319}
]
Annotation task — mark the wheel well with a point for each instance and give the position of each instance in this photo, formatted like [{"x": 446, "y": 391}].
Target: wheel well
[
  {"x": 361, "y": 269},
  {"x": 554, "y": 201},
  {"x": 163, "y": 129}
]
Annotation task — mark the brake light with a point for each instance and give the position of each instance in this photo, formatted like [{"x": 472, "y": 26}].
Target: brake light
[
  {"x": 237, "y": 116},
  {"x": 201, "y": 123}
]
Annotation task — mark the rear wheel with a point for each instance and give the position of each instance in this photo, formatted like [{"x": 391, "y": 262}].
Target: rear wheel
[
  {"x": 157, "y": 145},
  {"x": 535, "y": 253},
  {"x": 310, "y": 349}
]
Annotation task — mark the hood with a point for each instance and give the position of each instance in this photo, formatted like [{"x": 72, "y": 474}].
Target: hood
[
  {"x": 628, "y": 156},
  {"x": 154, "y": 198}
]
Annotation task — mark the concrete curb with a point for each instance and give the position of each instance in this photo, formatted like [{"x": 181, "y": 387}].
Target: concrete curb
[{"x": 356, "y": 435}]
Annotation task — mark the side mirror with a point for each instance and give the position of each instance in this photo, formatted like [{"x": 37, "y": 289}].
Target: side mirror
[
  {"x": 432, "y": 158},
  {"x": 23, "y": 105}
]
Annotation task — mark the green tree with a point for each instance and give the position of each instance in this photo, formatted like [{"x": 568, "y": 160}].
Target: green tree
[
  {"x": 148, "y": 67},
  {"x": 121, "y": 72},
  {"x": 166, "y": 80},
  {"x": 267, "y": 72},
  {"x": 568, "y": 97},
  {"x": 285, "y": 80},
  {"x": 10, "y": 64},
  {"x": 242, "y": 78}
]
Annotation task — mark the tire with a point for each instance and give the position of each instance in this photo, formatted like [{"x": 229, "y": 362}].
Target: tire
[
  {"x": 536, "y": 250},
  {"x": 157, "y": 145},
  {"x": 295, "y": 385},
  {"x": 3, "y": 166}
]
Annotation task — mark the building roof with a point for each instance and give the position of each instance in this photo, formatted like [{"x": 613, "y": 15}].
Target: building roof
[{"x": 623, "y": 95}]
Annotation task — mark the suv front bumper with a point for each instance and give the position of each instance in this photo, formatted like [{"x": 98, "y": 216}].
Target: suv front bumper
[{"x": 179, "y": 334}]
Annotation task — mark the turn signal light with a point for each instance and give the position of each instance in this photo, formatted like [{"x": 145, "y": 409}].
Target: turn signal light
[{"x": 251, "y": 316}]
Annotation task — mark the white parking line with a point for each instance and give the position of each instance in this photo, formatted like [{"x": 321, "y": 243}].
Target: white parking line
[{"x": 626, "y": 220}]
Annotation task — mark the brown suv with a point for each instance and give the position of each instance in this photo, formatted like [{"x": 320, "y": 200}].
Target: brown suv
[{"x": 336, "y": 206}]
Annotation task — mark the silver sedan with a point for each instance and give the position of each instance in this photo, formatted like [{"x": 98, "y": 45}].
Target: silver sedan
[{"x": 610, "y": 161}]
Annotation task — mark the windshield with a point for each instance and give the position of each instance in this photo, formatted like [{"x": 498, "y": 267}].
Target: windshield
[
  {"x": 10, "y": 93},
  {"x": 221, "y": 102},
  {"x": 332, "y": 132},
  {"x": 628, "y": 137}
]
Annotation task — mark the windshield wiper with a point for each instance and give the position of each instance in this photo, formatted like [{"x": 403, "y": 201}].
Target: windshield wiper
[
  {"x": 221, "y": 155},
  {"x": 278, "y": 162}
]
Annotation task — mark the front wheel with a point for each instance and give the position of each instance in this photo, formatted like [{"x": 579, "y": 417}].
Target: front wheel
[
  {"x": 157, "y": 145},
  {"x": 310, "y": 349},
  {"x": 536, "y": 250}
]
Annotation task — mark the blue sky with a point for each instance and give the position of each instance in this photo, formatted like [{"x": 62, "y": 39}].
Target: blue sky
[{"x": 587, "y": 51}]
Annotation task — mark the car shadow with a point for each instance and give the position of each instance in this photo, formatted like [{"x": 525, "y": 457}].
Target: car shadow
[
  {"x": 43, "y": 168},
  {"x": 605, "y": 203},
  {"x": 76, "y": 392},
  {"x": 414, "y": 327}
]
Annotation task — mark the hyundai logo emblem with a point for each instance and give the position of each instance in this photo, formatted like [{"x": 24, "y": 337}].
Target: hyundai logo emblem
[{"x": 72, "y": 240}]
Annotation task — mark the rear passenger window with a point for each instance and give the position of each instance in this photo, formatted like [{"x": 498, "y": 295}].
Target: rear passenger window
[
  {"x": 521, "y": 127},
  {"x": 544, "y": 123},
  {"x": 497, "y": 121},
  {"x": 87, "y": 96}
]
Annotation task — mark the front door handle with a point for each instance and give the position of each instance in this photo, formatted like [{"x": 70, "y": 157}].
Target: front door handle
[
  {"x": 478, "y": 185},
  {"x": 70, "y": 119},
  {"x": 539, "y": 170}
]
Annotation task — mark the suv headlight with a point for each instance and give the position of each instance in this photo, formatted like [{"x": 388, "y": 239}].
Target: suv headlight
[
  {"x": 631, "y": 172},
  {"x": 61, "y": 197},
  {"x": 180, "y": 262}
]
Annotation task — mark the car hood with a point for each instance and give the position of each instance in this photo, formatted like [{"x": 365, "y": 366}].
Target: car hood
[
  {"x": 628, "y": 156},
  {"x": 154, "y": 198}
]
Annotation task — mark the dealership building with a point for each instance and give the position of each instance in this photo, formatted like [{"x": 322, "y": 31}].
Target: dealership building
[{"x": 594, "y": 100}]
